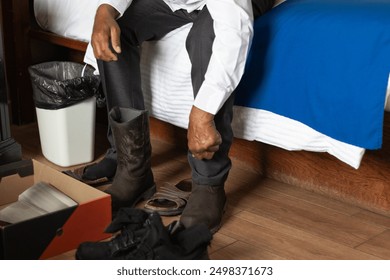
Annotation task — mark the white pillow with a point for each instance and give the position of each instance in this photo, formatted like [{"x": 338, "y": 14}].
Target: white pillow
[{"x": 69, "y": 18}]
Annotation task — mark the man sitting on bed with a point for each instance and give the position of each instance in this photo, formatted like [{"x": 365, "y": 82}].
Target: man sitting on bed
[{"x": 217, "y": 45}]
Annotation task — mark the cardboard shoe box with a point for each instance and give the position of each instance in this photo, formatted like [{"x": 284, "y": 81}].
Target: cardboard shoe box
[{"x": 54, "y": 233}]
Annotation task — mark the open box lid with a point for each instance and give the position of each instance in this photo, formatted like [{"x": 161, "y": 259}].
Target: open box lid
[{"x": 53, "y": 233}]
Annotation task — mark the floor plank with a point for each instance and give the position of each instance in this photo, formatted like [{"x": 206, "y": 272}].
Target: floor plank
[
  {"x": 378, "y": 246},
  {"x": 245, "y": 251},
  {"x": 286, "y": 241}
]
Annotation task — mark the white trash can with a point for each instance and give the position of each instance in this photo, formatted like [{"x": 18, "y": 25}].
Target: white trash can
[
  {"x": 67, "y": 135},
  {"x": 65, "y": 102}
]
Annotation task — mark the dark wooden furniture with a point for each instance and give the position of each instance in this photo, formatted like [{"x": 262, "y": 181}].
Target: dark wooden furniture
[{"x": 10, "y": 150}]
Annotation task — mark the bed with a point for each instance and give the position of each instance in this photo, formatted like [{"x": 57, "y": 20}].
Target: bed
[{"x": 284, "y": 99}]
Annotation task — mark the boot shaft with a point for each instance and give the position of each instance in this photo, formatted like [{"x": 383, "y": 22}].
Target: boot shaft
[
  {"x": 130, "y": 129},
  {"x": 133, "y": 180}
]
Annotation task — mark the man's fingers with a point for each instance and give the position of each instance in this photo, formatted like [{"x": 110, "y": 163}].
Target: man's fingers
[
  {"x": 105, "y": 53},
  {"x": 203, "y": 155},
  {"x": 206, "y": 154},
  {"x": 115, "y": 40},
  {"x": 213, "y": 148}
]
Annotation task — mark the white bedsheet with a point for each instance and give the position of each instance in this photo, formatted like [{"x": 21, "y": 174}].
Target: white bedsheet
[{"x": 167, "y": 85}]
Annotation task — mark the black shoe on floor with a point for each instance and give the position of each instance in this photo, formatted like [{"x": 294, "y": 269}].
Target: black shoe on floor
[{"x": 144, "y": 237}]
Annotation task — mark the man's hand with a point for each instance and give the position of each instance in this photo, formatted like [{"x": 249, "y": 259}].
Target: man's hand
[
  {"x": 203, "y": 137},
  {"x": 106, "y": 34}
]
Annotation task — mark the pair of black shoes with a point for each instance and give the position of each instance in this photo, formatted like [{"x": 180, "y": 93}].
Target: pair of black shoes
[{"x": 142, "y": 236}]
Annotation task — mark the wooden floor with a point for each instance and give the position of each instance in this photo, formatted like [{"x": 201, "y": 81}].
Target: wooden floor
[{"x": 265, "y": 219}]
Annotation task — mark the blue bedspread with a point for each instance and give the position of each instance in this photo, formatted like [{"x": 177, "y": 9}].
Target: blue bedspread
[{"x": 325, "y": 64}]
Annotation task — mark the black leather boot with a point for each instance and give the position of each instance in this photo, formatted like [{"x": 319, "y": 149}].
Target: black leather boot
[
  {"x": 144, "y": 237},
  {"x": 133, "y": 180},
  {"x": 159, "y": 243},
  {"x": 206, "y": 205}
]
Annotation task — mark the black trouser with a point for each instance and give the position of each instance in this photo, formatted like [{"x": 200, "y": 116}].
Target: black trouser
[
  {"x": 147, "y": 20},
  {"x": 261, "y": 6}
]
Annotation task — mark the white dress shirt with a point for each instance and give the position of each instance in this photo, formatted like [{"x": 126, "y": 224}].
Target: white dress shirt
[{"x": 233, "y": 27}]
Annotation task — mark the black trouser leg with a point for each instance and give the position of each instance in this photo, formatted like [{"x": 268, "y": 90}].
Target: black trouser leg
[{"x": 199, "y": 46}]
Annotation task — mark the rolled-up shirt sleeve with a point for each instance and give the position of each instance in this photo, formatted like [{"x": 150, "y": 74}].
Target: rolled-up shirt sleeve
[
  {"x": 233, "y": 27},
  {"x": 119, "y": 5}
]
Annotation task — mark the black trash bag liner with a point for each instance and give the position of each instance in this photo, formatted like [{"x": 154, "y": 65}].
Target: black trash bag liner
[{"x": 60, "y": 84}]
